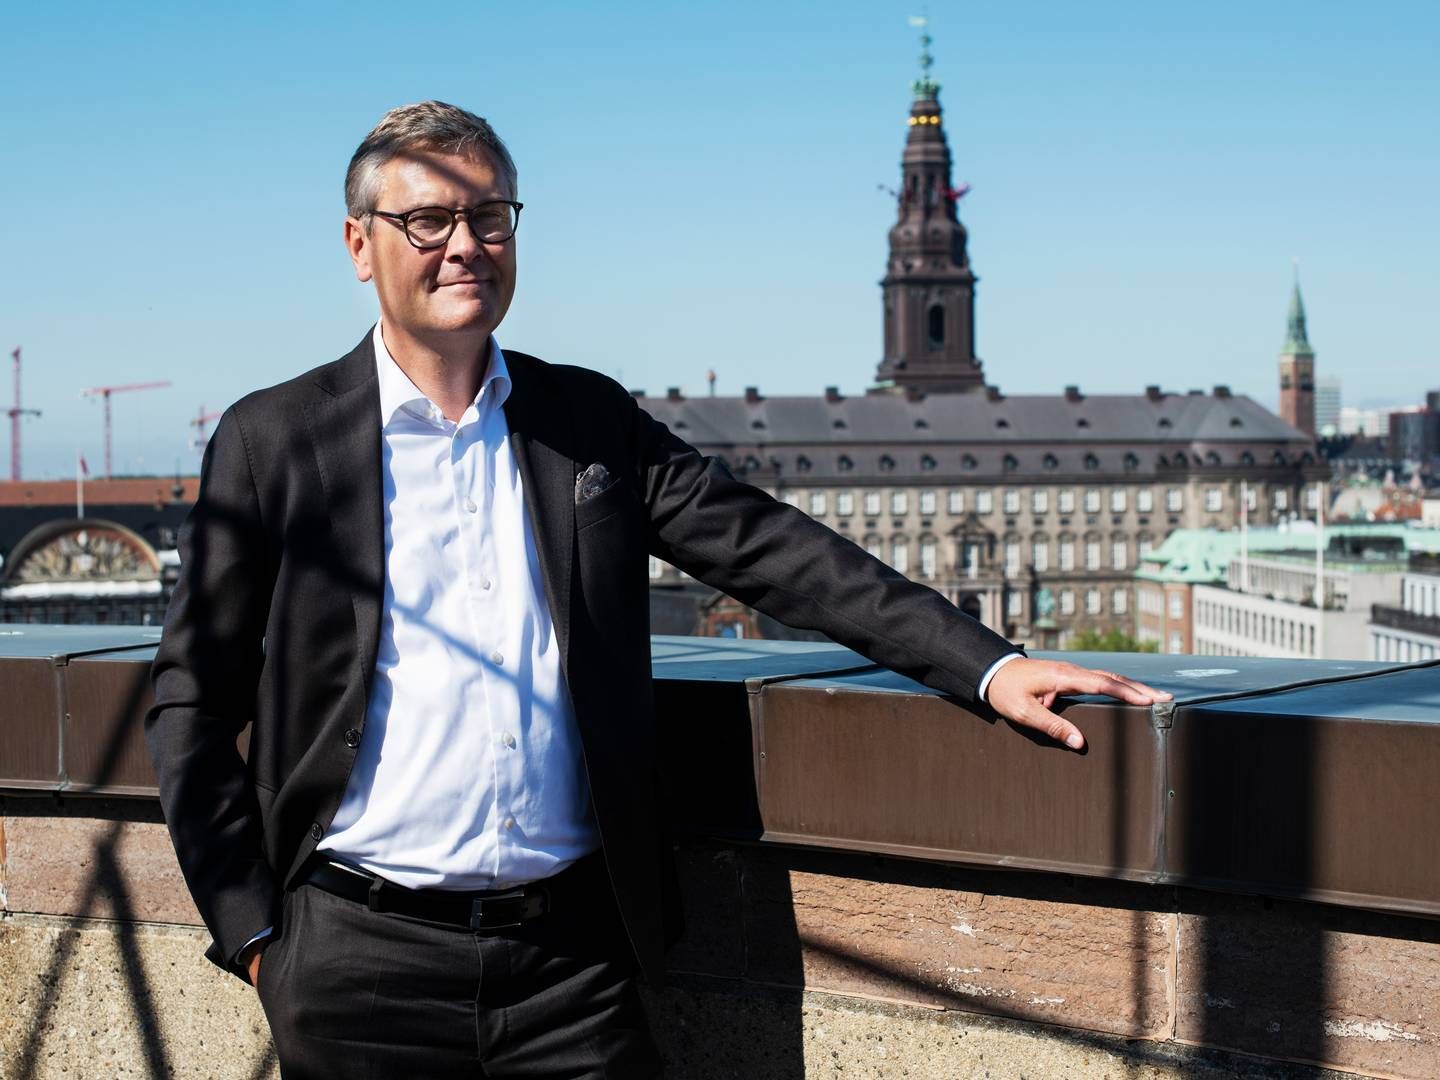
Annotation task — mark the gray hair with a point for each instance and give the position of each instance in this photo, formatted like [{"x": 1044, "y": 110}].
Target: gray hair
[{"x": 428, "y": 125}]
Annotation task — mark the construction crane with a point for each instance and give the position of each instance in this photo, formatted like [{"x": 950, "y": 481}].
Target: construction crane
[
  {"x": 199, "y": 423},
  {"x": 16, "y": 414},
  {"x": 105, "y": 392}
]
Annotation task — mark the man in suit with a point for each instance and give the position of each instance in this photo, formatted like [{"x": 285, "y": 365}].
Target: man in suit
[{"x": 419, "y": 576}]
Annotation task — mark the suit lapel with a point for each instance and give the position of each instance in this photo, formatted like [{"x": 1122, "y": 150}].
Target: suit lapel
[
  {"x": 540, "y": 432},
  {"x": 345, "y": 428}
]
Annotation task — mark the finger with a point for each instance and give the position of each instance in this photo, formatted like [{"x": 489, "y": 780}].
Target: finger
[
  {"x": 1057, "y": 727},
  {"x": 1133, "y": 693}
]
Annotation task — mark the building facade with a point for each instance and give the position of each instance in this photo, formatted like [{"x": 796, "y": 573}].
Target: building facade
[
  {"x": 1410, "y": 631},
  {"x": 1030, "y": 512}
]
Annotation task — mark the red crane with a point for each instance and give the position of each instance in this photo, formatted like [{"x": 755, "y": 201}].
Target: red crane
[
  {"x": 199, "y": 423},
  {"x": 16, "y": 413},
  {"x": 105, "y": 392}
]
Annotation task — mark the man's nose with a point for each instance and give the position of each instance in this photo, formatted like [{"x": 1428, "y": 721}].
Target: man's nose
[{"x": 462, "y": 245}]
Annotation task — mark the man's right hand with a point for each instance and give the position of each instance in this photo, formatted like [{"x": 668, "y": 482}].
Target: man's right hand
[{"x": 252, "y": 962}]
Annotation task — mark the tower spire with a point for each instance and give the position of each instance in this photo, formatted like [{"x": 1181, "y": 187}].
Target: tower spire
[
  {"x": 1297, "y": 366},
  {"x": 928, "y": 288}
]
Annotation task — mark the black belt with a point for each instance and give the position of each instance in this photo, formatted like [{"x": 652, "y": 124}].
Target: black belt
[{"x": 486, "y": 910}]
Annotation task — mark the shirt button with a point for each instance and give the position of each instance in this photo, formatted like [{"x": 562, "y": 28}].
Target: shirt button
[
  {"x": 497, "y": 658},
  {"x": 509, "y": 823},
  {"x": 352, "y": 738},
  {"x": 509, "y": 741},
  {"x": 470, "y": 506},
  {"x": 316, "y": 832}
]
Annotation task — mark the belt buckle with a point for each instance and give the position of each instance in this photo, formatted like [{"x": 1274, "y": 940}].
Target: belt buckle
[{"x": 477, "y": 910}]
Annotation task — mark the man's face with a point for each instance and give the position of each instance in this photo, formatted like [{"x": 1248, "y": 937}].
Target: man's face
[{"x": 462, "y": 288}]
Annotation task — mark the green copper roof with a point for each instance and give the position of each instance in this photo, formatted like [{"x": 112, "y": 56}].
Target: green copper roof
[
  {"x": 1199, "y": 556},
  {"x": 1296, "y": 342}
]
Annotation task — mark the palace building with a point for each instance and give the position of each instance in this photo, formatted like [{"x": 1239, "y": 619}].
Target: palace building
[{"x": 1030, "y": 512}]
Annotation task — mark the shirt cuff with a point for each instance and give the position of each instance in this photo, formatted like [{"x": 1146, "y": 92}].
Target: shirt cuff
[
  {"x": 263, "y": 934},
  {"x": 984, "y": 688}
]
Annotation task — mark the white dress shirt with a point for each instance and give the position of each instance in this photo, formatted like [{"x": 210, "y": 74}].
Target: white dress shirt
[{"x": 469, "y": 773}]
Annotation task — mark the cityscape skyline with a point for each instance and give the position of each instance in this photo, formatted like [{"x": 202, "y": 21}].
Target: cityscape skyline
[{"x": 1137, "y": 222}]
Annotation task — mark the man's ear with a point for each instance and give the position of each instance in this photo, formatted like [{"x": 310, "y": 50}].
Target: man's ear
[{"x": 357, "y": 243}]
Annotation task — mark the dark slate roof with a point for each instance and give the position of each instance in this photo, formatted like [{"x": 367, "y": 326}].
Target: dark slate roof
[
  {"x": 973, "y": 419},
  {"x": 958, "y": 436}
]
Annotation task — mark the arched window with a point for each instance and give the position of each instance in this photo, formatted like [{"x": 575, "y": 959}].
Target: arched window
[{"x": 935, "y": 325}]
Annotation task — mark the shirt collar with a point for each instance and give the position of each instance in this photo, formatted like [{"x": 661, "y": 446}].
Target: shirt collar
[{"x": 398, "y": 392}]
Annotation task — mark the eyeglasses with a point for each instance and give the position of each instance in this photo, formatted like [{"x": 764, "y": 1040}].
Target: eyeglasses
[{"x": 431, "y": 226}]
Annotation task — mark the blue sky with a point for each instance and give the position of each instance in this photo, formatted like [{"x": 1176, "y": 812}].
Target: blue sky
[{"x": 701, "y": 192}]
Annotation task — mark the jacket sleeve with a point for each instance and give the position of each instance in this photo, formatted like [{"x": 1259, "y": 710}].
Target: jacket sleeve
[
  {"x": 779, "y": 560},
  {"x": 205, "y": 677}
]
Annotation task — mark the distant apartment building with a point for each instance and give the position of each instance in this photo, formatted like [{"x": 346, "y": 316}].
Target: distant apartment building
[
  {"x": 1327, "y": 406},
  {"x": 1204, "y": 592},
  {"x": 1410, "y": 630}
]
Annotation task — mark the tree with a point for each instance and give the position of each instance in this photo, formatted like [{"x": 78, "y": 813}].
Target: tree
[{"x": 1110, "y": 641}]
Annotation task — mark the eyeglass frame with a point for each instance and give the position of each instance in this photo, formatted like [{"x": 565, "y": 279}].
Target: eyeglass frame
[{"x": 455, "y": 215}]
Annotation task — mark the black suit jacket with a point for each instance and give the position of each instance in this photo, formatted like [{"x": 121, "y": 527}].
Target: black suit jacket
[{"x": 275, "y": 621}]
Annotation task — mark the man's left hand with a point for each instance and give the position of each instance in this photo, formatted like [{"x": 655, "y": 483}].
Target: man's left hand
[{"x": 1024, "y": 690}]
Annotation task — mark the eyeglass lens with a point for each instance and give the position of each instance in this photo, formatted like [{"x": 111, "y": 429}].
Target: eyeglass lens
[{"x": 432, "y": 225}]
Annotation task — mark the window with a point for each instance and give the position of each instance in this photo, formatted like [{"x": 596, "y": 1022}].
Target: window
[
  {"x": 983, "y": 502},
  {"x": 1012, "y": 501},
  {"x": 900, "y": 555},
  {"x": 1119, "y": 554},
  {"x": 1282, "y": 499},
  {"x": 1119, "y": 601},
  {"x": 817, "y": 504},
  {"x": 1092, "y": 601},
  {"x": 1067, "y": 554},
  {"x": 928, "y": 551},
  {"x": 1174, "y": 500},
  {"x": 1092, "y": 501},
  {"x": 935, "y": 324},
  {"x": 872, "y": 504},
  {"x": 874, "y": 547},
  {"x": 1040, "y": 502},
  {"x": 1177, "y": 643},
  {"x": 1312, "y": 497},
  {"x": 1012, "y": 558},
  {"x": 1252, "y": 498},
  {"x": 657, "y": 568},
  {"x": 1145, "y": 501},
  {"x": 791, "y": 498},
  {"x": 1067, "y": 601},
  {"x": 1177, "y": 605},
  {"x": 1041, "y": 556},
  {"x": 899, "y": 503},
  {"x": 1214, "y": 500},
  {"x": 1015, "y": 604},
  {"x": 972, "y": 558},
  {"x": 1092, "y": 554},
  {"x": 955, "y": 502},
  {"x": 1145, "y": 544},
  {"x": 1118, "y": 500},
  {"x": 927, "y": 503},
  {"x": 845, "y": 503},
  {"x": 1065, "y": 502}
]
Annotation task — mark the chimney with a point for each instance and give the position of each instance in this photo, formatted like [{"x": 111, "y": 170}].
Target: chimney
[
  {"x": 1072, "y": 394},
  {"x": 914, "y": 394},
  {"x": 672, "y": 393},
  {"x": 1154, "y": 393},
  {"x": 1222, "y": 391},
  {"x": 832, "y": 395},
  {"x": 637, "y": 393},
  {"x": 752, "y": 395},
  {"x": 992, "y": 393}
]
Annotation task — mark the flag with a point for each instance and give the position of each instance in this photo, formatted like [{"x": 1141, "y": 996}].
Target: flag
[{"x": 84, "y": 468}]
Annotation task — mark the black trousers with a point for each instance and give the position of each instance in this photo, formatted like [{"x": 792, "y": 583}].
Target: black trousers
[{"x": 362, "y": 995}]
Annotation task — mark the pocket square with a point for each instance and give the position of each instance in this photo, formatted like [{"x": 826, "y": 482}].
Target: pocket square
[{"x": 595, "y": 479}]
